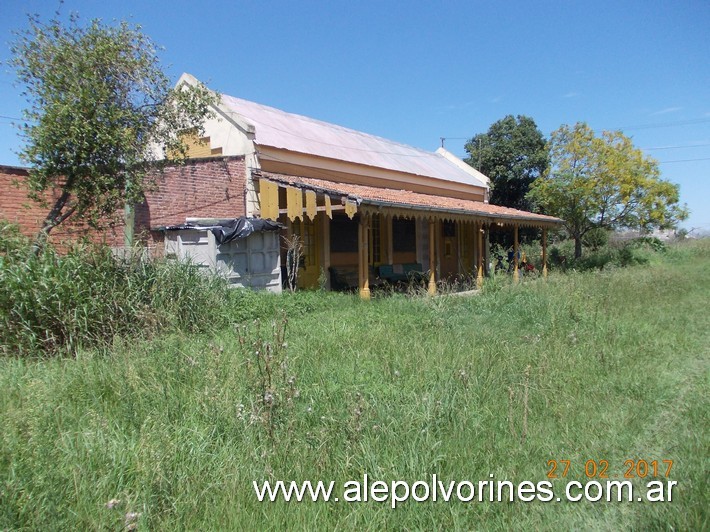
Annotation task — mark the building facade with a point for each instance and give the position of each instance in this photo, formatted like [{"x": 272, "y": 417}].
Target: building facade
[
  {"x": 359, "y": 204},
  {"x": 365, "y": 209}
]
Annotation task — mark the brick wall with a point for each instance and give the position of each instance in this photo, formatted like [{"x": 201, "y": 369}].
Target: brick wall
[
  {"x": 201, "y": 188},
  {"x": 14, "y": 204}
]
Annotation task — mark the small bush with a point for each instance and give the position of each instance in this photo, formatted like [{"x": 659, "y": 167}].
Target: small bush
[
  {"x": 562, "y": 255},
  {"x": 596, "y": 238},
  {"x": 629, "y": 255},
  {"x": 649, "y": 242},
  {"x": 595, "y": 260},
  {"x": 635, "y": 252}
]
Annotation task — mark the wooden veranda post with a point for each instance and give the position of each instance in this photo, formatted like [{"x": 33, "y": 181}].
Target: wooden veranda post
[
  {"x": 544, "y": 251},
  {"x": 363, "y": 257},
  {"x": 432, "y": 257},
  {"x": 479, "y": 255},
  {"x": 516, "y": 273}
]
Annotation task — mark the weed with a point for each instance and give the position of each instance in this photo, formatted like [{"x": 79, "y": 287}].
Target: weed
[
  {"x": 294, "y": 255},
  {"x": 512, "y": 397},
  {"x": 269, "y": 376},
  {"x": 57, "y": 304}
]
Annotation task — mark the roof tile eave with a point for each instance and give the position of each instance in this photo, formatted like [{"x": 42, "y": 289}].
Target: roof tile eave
[{"x": 411, "y": 200}]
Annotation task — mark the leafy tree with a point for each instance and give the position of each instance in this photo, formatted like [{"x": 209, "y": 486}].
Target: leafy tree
[
  {"x": 100, "y": 106},
  {"x": 512, "y": 154},
  {"x": 604, "y": 182}
]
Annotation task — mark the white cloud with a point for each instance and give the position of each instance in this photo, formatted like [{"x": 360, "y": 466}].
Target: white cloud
[
  {"x": 571, "y": 94},
  {"x": 666, "y": 111},
  {"x": 459, "y": 106}
]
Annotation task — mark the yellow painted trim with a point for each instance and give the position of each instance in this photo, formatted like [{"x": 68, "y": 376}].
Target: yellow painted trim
[
  {"x": 294, "y": 203},
  {"x": 432, "y": 258},
  {"x": 288, "y": 162},
  {"x": 196, "y": 146},
  {"x": 328, "y": 207},
  {"x": 311, "y": 204},
  {"x": 423, "y": 214},
  {"x": 363, "y": 260},
  {"x": 350, "y": 209},
  {"x": 420, "y": 214},
  {"x": 479, "y": 243},
  {"x": 269, "y": 199}
]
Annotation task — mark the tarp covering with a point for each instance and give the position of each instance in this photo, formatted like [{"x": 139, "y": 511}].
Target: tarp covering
[{"x": 226, "y": 231}]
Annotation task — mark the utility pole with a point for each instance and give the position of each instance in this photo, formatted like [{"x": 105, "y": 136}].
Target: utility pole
[{"x": 480, "y": 142}]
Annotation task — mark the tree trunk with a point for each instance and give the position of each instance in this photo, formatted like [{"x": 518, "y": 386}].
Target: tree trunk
[
  {"x": 577, "y": 247},
  {"x": 53, "y": 219}
]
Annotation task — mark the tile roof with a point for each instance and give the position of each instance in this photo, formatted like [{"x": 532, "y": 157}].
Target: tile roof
[{"x": 411, "y": 200}]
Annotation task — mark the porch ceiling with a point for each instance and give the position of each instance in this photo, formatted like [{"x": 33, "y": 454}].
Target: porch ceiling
[{"x": 407, "y": 203}]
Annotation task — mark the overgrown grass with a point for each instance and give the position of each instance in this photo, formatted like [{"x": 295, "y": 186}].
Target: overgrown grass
[
  {"x": 56, "y": 304},
  {"x": 177, "y": 426}
]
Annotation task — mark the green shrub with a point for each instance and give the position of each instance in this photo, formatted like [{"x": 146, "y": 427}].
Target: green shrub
[
  {"x": 629, "y": 255},
  {"x": 562, "y": 254},
  {"x": 12, "y": 242},
  {"x": 596, "y": 260},
  {"x": 52, "y": 303},
  {"x": 649, "y": 242},
  {"x": 635, "y": 252},
  {"x": 596, "y": 238}
]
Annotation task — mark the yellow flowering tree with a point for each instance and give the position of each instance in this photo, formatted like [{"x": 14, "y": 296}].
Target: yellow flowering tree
[{"x": 603, "y": 181}]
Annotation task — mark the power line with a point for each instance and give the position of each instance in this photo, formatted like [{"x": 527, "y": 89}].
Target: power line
[
  {"x": 638, "y": 126},
  {"x": 685, "y": 160},
  {"x": 663, "y": 124},
  {"x": 677, "y": 147},
  {"x": 444, "y": 139}
]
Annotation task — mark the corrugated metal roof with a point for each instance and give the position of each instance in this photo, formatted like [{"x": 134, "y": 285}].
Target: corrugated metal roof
[
  {"x": 413, "y": 200},
  {"x": 302, "y": 134}
]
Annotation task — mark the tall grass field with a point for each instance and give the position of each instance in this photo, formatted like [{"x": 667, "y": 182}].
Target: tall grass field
[{"x": 165, "y": 425}]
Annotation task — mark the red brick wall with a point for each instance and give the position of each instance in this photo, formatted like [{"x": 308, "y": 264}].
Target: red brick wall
[
  {"x": 201, "y": 188},
  {"x": 14, "y": 204}
]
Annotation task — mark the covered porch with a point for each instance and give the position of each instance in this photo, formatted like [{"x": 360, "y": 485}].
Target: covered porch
[{"x": 364, "y": 235}]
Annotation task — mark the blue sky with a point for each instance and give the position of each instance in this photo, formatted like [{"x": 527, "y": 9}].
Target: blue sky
[{"x": 417, "y": 71}]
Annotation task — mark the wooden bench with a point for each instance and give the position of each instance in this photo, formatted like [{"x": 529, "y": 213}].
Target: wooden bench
[
  {"x": 401, "y": 273},
  {"x": 343, "y": 278}
]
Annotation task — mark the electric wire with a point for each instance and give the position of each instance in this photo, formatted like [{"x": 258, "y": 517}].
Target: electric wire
[{"x": 684, "y": 160}]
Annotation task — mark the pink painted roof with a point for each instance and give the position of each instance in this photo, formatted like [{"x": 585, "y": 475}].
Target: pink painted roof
[
  {"x": 302, "y": 134},
  {"x": 413, "y": 200}
]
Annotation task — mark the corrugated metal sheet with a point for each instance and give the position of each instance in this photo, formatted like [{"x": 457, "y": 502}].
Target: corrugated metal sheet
[
  {"x": 297, "y": 133},
  {"x": 254, "y": 261}
]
